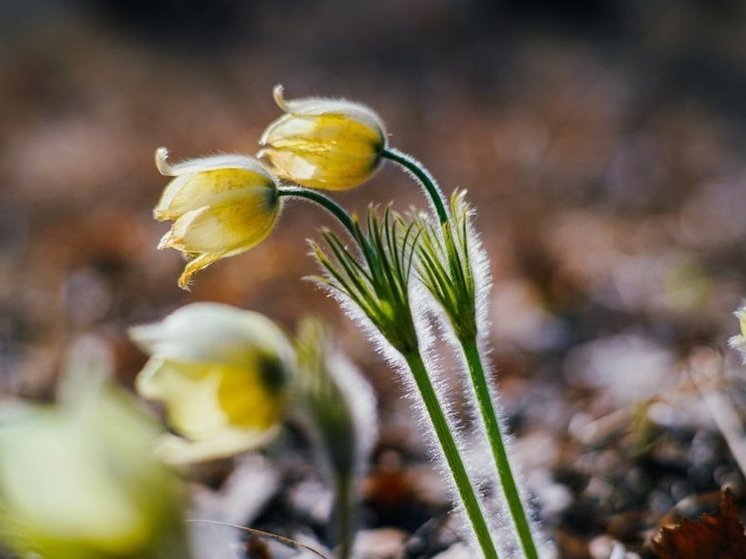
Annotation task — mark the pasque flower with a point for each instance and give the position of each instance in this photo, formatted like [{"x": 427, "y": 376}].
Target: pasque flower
[
  {"x": 222, "y": 374},
  {"x": 331, "y": 144},
  {"x": 79, "y": 479},
  {"x": 221, "y": 205}
]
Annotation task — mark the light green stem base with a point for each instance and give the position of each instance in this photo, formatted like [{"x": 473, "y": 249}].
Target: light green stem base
[
  {"x": 499, "y": 452},
  {"x": 453, "y": 458}
]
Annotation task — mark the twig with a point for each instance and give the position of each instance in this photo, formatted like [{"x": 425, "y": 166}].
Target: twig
[{"x": 282, "y": 539}]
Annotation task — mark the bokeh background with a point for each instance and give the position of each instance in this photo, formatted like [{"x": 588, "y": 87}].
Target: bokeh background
[{"x": 602, "y": 143}]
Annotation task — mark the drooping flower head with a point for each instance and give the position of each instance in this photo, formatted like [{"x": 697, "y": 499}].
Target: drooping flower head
[
  {"x": 222, "y": 374},
  {"x": 79, "y": 479},
  {"x": 221, "y": 205},
  {"x": 331, "y": 144}
]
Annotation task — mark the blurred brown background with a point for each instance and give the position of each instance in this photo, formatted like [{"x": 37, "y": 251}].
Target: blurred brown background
[{"x": 601, "y": 141}]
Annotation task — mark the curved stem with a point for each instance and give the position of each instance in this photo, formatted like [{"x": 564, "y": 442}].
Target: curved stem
[
  {"x": 419, "y": 171},
  {"x": 321, "y": 200},
  {"x": 450, "y": 450},
  {"x": 499, "y": 452}
]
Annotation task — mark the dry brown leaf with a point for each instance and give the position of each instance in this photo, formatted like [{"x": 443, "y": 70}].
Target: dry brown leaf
[{"x": 711, "y": 536}]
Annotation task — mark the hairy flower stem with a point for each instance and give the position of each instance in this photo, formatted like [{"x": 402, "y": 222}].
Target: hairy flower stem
[
  {"x": 450, "y": 450},
  {"x": 419, "y": 372},
  {"x": 321, "y": 200},
  {"x": 419, "y": 171},
  {"x": 499, "y": 452},
  {"x": 476, "y": 370}
]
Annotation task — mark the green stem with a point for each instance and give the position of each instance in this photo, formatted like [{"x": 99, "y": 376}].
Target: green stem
[
  {"x": 324, "y": 201},
  {"x": 345, "y": 513},
  {"x": 450, "y": 450},
  {"x": 419, "y": 171},
  {"x": 476, "y": 370},
  {"x": 499, "y": 452}
]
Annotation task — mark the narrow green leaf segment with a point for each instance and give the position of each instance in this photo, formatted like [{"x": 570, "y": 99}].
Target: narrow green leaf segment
[{"x": 450, "y": 451}]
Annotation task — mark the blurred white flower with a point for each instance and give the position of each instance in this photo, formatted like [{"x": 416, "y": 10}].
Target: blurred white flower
[
  {"x": 222, "y": 374},
  {"x": 80, "y": 480}
]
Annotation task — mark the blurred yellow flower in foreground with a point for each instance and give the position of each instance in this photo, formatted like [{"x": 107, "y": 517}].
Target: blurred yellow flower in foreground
[
  {"x": 332, "y": 144},
  {"x": 222, "y": 374},
  {"x": 222, "y": 206},
  {"x": 80, "y": 480}
]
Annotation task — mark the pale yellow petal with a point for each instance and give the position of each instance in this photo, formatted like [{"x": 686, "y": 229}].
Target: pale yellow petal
[
  {"x": 178, "y": 450},
  {"x": 228, "y": 228},
  {"x": 190, "y": 394},
  {"x": 329, "y": 171},
  {"x": 195, "y": 265},
  {"x": 75, "y": 496},
  {"x": 203, "y": 400},
  {"x": 80, "y": 480},
  {"x": 323, "y": 133},
  {"x": 330, "y": 151},
  {"x": 209, "y": 187},
  {"x": 323, "y": 106},
  {"x": 209, "y": 163},
  {"x": 208, "y": 332},
  {"x": 248, "y": 400}
]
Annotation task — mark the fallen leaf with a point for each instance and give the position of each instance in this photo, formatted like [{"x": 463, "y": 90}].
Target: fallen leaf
[{"x": 711, "y": 536}]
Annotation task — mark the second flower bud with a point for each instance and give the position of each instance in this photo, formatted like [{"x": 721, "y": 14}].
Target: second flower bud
[{"x": 331, "y": 144}]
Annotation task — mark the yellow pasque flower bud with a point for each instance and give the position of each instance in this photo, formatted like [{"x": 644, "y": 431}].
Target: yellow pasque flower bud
[
  {"x": 222, "y": 206},
  {"x": 80, "y": 480},
  {"x": 222, "y": 374},
  {"x": 332, "y": 144}
]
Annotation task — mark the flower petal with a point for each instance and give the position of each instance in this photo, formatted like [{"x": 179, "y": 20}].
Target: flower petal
[
  {"x": 205, "y": 401},
  {"x": 227, "y": 228},
  {"x": 323, "y": 133},
  {"x": 336, "y": 171},
  {"x": 209, "y": 163},
  {"x": 208, "y": 187},
  {"x": 325, "y": 106},
  {"x": 212, "y": 333},
  {"x": 323, "y": 144},
  {"x": 190, "y": 393},
  {"x": 328, "y": 151},
  {"x": 177, "y": 450},
  {"x": 195, "y": 265},
  {"x": 90, "y": 504}
]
